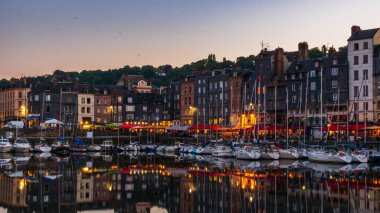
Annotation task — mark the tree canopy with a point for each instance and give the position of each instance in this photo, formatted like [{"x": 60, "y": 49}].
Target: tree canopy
[{"x": 161, "y": 75}]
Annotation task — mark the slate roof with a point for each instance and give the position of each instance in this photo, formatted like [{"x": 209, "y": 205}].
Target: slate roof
[{"x": 363, "y": 34}]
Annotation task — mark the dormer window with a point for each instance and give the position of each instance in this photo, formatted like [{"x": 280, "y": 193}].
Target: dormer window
[
  {"x": 316, "y": 64},
  {"x": 297, "y": 67},
  {"x": 335, "y": 61},
  {"x": 235, "y": 74},
  {"x": 293, "y": 77}
]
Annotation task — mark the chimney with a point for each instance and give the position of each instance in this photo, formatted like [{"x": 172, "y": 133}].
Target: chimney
[
  {"x": 355, "y": 29},
  {"x": 303, "y": 51},
  {"x": 279, "y": 61}
]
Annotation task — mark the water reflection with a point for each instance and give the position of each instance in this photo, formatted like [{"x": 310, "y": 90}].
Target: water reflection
[{"x": 186, "y": 183}]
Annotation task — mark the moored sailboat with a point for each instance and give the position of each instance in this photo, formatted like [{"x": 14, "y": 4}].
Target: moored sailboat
[
  {"x": 329, "y": 157},
  {"x": 5, "y": 145}
]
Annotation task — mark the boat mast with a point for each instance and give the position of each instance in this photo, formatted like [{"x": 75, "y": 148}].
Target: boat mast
[
  {"x": 300, "y": 112},
  {"x": 258, "y": 111},
  {"x": 42, "y": 113},
  {"x": 222, "y": 104},
  {"x": 231, "y": 99},
  {"x": 265, "y": 113},
  {"x": 204, "y": 122},
  {"x": 337, "y": 125},
  {"x": 243, "y": 109},
  {"x": 287, "y": 118},
  {"x": 305, "y": 121},
  {"x": 275, "y": 111},
  {"x": 321, "y": 109}
]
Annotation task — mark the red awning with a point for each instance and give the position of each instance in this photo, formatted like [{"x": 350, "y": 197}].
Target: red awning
[
  {"x": 128, "y": 126},
  {"x": 354, "y": 127},
  {"x": 335, "y": 127},
  {"x": 205, "y": 127}
]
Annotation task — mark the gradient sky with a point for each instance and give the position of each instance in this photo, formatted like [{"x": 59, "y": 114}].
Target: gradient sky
[{"x": 40, "y": 36}]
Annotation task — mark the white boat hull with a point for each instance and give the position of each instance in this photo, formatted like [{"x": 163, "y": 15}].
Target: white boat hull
[
  {"x": 42, "y": 148},
  {"x": 288, "y": 154},
  {"x": 359, "y": 158},
  {"x": 270, "y": 155},
  {"x": 204, "y": 151},
  {"x": 328, "y": 157},
  {"x": 247, "y": 155},
  {"x": 93, "y": 148},
  {"x": 226, "y": 154}
]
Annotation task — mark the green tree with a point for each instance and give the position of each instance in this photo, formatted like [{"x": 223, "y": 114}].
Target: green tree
[{"x": 315, "y": 52}]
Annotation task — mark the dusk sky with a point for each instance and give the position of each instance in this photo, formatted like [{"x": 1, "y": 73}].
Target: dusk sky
[{"x": 38, "y": 37}]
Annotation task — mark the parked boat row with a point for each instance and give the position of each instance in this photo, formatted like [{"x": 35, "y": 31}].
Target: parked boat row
[
  {"x": 60, "y": 146},
  {"x": 250, "y": 152}
]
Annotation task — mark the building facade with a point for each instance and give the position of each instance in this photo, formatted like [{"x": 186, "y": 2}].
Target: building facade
[
  {"x": 13, "y": 103},
  {"x": 361, "y": 46}
]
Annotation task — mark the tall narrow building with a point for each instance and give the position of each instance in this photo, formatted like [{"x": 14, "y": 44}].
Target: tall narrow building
[{"x": 360, "y": 58}]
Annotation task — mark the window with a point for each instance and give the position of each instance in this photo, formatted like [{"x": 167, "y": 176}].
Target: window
[
  {"x": 47, "y": 108},
  {"x": 19, "y": 94},
  {"x": 119, "y": 99},
  {"x": 220, "y": 84},
  {"x": 335, "y": 61},
  {"x": 356, "y": 46},
  {"x": 365, "y": 59},
  {"x": 316, "y": 64},
  {"x": 313, "y": 86},
  {"x": 356, "y": 108},
  {"x": 312, "y": 74},
  {"x": 334, "y": 84},
  {"x": 293, "y": 87},
  {"x": 88, "y": 100},
  {"x": 47, "y": 98},
  {"x": 189, "y": 100},
  {"x": 105, "y": 101},
  {"x": 300, "y": 76},
  {"x": 82, "y": 110},
  {"x": 294, "y": 99},
  {"x": 97, "y": 101},
  {"x": 365, "y": 45},
  {"x": 365, "y": 106},
  {"x": 130, "y": 100},
  {"x": 98, "y": 110},
  {"x": 83, "y": 100},
  {"x": 286, "y": 77},
  {"x": 145, "y": 108},
  {"x": 365, "y": 74},
  {"x": 356, "y": 75},
  {"x": 37, "y": 97},
  {"x": 88, "y": 110},
  {"x": 365, "y": 91},
  {"x": 293, "y": 76},
  {"x": 356, "y": 91},
  {"x": 335, "y": 96},
  {"x": 334, "y": 71},
  {"x": 356, "y": 60},
  {"x": 378, "y": 105},
  {"x": 210, "y": 86}
]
